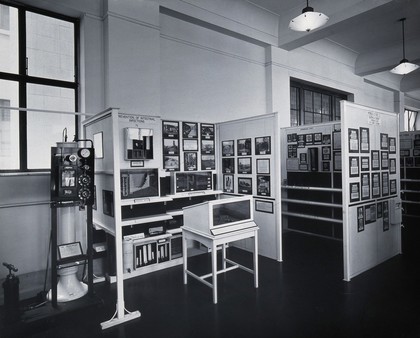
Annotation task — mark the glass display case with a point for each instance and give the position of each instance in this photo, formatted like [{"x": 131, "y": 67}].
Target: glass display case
[{"x": 226, "y": 214}]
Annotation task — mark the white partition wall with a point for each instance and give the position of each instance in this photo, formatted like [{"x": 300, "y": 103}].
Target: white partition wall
[{"x": 371, "y": 187}]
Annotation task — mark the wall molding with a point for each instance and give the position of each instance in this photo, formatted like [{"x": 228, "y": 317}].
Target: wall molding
[{"x": 129, "y": 19}]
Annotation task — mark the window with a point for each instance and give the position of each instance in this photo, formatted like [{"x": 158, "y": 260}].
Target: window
[
  {"x": 309, "y": 104},
  {"x": 410, "y": 119},
  {"x": 38, "y": 72}
]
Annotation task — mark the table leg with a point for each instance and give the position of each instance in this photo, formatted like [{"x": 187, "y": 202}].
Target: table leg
[
  {"x": 214, "y": 271},
  {"x": 256, "y": 259},
  {"x": 224, "y": 256},
  {"x": 184, "y": 257}
]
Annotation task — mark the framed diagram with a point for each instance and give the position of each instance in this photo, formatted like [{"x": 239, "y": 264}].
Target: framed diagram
[
  {"x": 264, "y": 206},
  {"x": 392, "y": 187},
  {"x": 376, "y": 185},
  {"x": 364, "y": 140},
  {"x": 385, "y": 183},
  {"x": 189, "y": 130},
  {"x": 228, "y": 148},
  {"x": 364, "y": 163},
  {"x": 384, "y": 160},
  {"x": 384, "y": 141},
  {"x": 263, "y": 166},
  {"x": 336, "y": 140},
  {"x": 354, "y": 192},
  {"x": 365, "y": 186},
  {"x": 360, "y": 219},
  {"x": 375, "y": 160},
  {"x": 392, "y": 166},
  {"x": 353, "y": 140},
  {"x": 354, "y": 166},
  {"x": 189, "y": 145},
  {"x": 326, "y": 153},
  {"x": 392, "y": 143},
  {"x": 317, "y": 138},
  {"x": 337, "y": 161},
  {"x": 263, "y": 145},
  {"x": 370, "y": 213}
]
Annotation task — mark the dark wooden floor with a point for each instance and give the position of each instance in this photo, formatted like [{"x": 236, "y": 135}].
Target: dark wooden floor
[{"x": 304, "y": 296}]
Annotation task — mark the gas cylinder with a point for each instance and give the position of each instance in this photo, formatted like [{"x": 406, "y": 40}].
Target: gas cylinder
[{"x": 11, "y": 294}]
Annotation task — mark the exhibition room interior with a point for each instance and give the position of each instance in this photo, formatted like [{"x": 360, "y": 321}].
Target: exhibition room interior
[{"x": 184, "y": 168}]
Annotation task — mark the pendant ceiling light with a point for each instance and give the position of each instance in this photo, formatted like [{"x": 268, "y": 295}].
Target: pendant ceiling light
[
  {"x": 308, "y": 20},
  {"x": 404, "y": 66}
]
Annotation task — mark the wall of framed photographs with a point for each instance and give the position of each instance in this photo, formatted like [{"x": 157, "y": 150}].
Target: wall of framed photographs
[
  {"x": 249, "y": 163},
  {"x": 311, "y": 179},
  {"x": 371, "y": 187}
]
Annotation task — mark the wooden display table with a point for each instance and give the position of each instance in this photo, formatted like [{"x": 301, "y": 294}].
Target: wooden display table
[{"x": 213, "y": 242}]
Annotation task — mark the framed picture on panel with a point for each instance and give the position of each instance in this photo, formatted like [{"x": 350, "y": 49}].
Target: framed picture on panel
[
  {"x": 263, "y": 166},
  {"x": 384, "y": 160},
  {"x": 228, "y": 185},
  {"x": 375, "y": 160},
  {"x": 364, "y": 163},
  {"x": 190, "y": 145},
  {"x": 354, "y": 192},
  {"x": 264, "y": 206},
  {"x": 365, "y": 186},
  {"x": 392, "y": 166},
  {"x": 392, "y": 187},
  {"x": 207, "y": 146},
  {"x": 189, "y": 130},
  {"x": 228, "y": 165},
  {"x": 364, "y": 140},
  {"x": 228, "y": 148},
  {"x": 263, "y": 145},
  {"x": 376, "y": 185},
  {"x": 384, "y": 141},
  {"x": 360, "y": 219},
  {"x": 170, "y": 129},
  {"x": 170, "y": 146},
  {"x": 337, "y": 161},
  {"x": 190, "y": 161},
  {"x": 353, "y": 140},
  {"x": 263, "y": 185},
  {"x": 244, "y": 165},
  {"x": 208, "y": 162},
  {"x": 336, "y": 140},
  {"x": 326, "y": 153},
  {"x": 354, "y": 166},
  {"x": 244, "y": 147},
  {"x": 207, "y": 131},
  {"x": 392, "y": 142},
  {"x": 385, "y": 183},
  {"x": 171, "y": 163},
  {"x": 245, "y": 185},
  {"x": 318, "y": 138}
]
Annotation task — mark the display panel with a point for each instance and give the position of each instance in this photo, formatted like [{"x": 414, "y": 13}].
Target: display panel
[
  {"x": 223, "y": 214},
  {"x": 193, "y": 181}
]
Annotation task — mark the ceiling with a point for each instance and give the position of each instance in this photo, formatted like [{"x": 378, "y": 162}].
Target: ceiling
[{"x": 369, "y": 28}]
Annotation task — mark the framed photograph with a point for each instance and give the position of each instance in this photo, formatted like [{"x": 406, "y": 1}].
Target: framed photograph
[
  {"x": 170, "y": 146},
  {"x": 263, "y": 185},
  {"x": 364, "y": 140},
  {"x": 98, "y": 145},
  {"x": 392, "y": 166},
  {"x": 392, "y": 187},
  {"x": 326, "y": 166},
  {"x": 190, "y": 145},
  {"x": 228, "y": 165},
  {"x": 263, "y": 145},
  {"x": 171, "y": 163},
  {"x": 228, "y": 148},
  {"x": 137, "y": 163},
  {"x": 303, "y": 158},
  {"x": 354, "y": 192},
  {"x": 244, "y": 147},
  {"x": 294, "y": 138},
  {"x": 170, "y": 129},
  {"x": 416, "y": 152},
  {"x": 208, "y": 162},
  {"x": 353, "y": 140},
  {"x": 228, "y": 183},
  {"x": 326, "y": 153},
  {"x": 309, "y": 139},
  {"x": 385, "y": 183},
  {"x": 108, "y": 202},
  {"x": 364, "y": 163},
  {"x": 301, "y": 141},
  {"x": 337, "y": 161},
  {"x": 392, "y": 143},
  {"x": 263, "y": 166},
  {"x": 375, "y": 160},
  {"x": 69, "y": 250},
  {"x": 189, "y": 130},
  {"x": 354, "y": 166},
  {"x": 376, "y": 185},
  {"x": 370, "y": 213},
  {"x": 326, "y": 139},
  {"x": 360, "y": 219},
  {"x": 264, "y": 206},
  {"x": 318, "y": 138},
  {"x": 207, "y": 146},
  {"x": 292, "y": 150},
  {"x": 384, "y": 160},
  {"x": 384, "y": 141},
  {"x": 190, "y": 161},
  {"x": 207, "y": 131},
  {"x": 244, "y": 165},
  {"x": 303, "y": 167},
  {"x": 365, "y": 186},
  {"x": 245, "y": 185},
  {"x": 378, "y": 210}
]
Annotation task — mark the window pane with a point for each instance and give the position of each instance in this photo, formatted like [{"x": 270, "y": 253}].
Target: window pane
[
  {"x": 293, "y": 118},
  {"x": 317, "y": 118},
  {"x": 326, "y": 105},
  {"x": 9, "y": 126},
  {"x": 8, "y": 39},
  {"x": 309, "y": 118},
  {"x": 293, "y": 98},
  {"x": 308, "y": 100},
  {"x": 337, "y": 109},
  {"x": 317, "y": 102},
  {"x": 45, "y": 129},
  {"x": 50, "y": 47}
]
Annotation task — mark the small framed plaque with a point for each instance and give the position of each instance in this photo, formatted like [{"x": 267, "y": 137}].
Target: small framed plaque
[{"x": 70, "y": 250}]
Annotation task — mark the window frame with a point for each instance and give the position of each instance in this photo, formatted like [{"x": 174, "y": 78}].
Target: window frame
[
  {"x": 301, "y": 87},
  {"x": 22, "y": 79}
]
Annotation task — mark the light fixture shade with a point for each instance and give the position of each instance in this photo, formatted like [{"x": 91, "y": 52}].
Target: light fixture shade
[
  {"x": 404, "y": 67},
  {"x": 308, "y": 20}
]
